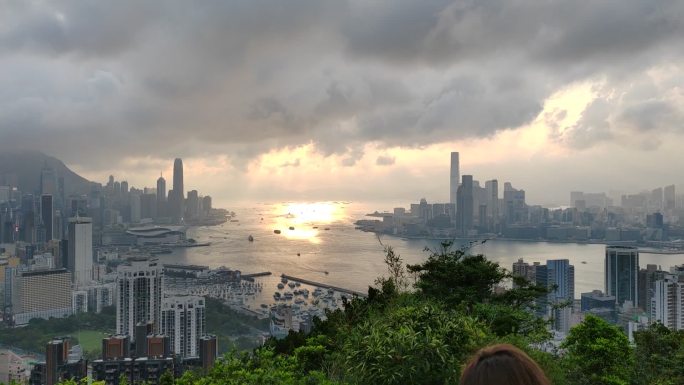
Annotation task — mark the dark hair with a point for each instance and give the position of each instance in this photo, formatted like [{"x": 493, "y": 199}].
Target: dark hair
[{"x": 502, "y": 364}]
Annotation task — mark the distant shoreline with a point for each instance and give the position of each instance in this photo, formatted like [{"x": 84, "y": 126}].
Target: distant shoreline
[{"x": 642, "y": 249}]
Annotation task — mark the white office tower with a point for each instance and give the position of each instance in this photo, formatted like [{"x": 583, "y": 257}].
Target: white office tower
[
  {"x": 183, "y": 320},
  {"x": 80, "y": 259},
  {"x": 139, "y": 295},
  {"x": 667, "y": 303},
  {"x": 559, "y": 277},
  {"x": 454, "y": 179}
]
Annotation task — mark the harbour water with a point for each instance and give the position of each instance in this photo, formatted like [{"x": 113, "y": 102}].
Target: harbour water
[{"x": 318, "y": 242}]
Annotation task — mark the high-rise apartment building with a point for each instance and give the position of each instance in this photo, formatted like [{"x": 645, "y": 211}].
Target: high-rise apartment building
[
  {"x": 667, "y": 302},
  {"x": 454, "y": 178},
  {"x": 80, "y": 258},
  {"x": 139, "y": 295},
  {"x": 621, "y": 273},
  {"x": 183, "y": 320},
  {"x": 559, "y": 277},
  {"x": 41, "y": 294}
]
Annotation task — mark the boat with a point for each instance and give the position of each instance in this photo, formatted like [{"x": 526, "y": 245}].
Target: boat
[
  {"x": 281, "y": 286},
  {"x": 276, "y": 231},
  {"x": 291, "y": 227},
  {"x": 327, "y": 228},
  {"x": 315, "y": 227},
  {"x": 298, "y": 254},
  {"x": 276, "y": 296},
  {"x": 288, "y": 296},
  {"x": 326, "y": 273},
  {"x": 250, "y": 238},
  {"x": 283, "y": 280},
  {"x": 264, "y": 306},
  {"x": 291, "y": 285},
  {"x": 584, "y": 262},
  {"x": 298, "y": 284}
]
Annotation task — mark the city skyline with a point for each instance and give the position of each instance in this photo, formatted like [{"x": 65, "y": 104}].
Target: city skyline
[{"x": 360, "y": 101}]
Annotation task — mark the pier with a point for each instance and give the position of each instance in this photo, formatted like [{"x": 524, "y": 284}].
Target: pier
[
  {"x": 250, "y": 277},
  {"x": 326, "y": 286}
]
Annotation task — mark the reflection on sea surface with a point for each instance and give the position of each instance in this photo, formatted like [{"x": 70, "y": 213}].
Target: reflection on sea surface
[{"x": 305, "y": 221}]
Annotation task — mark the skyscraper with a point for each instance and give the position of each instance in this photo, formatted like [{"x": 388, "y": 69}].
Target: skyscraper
[
  {"x": 622, "y": 272},
  {"x": 139, "y": 291},
  {"x": 47, "y": 214},
  {"x": 81, "y": 250},
  {"x": 559, "y": 277},
  {"x": 178, "y": 189},
  {"x": 669, "y": 193},
  {"x": 667, "y": 303},
  {"x": 183, "y": 320},
  {"x": 464, "y": 207},
  {"x": 161, "y": 196},
  {"x": 454, "y": 179}
]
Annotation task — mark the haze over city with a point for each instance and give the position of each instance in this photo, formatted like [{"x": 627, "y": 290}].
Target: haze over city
[{"x": 349, "y": 100}]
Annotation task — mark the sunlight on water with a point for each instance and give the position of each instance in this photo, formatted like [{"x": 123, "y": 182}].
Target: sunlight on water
[{"x": 306, "y": 221}]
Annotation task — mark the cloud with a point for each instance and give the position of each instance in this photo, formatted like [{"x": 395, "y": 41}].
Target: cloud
[
  {"x": 385, "y": 160},
  {"x": 244, "y": 78}
]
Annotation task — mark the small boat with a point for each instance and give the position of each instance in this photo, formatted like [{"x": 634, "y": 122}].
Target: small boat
[
  {"x": 291, "y": 227},
  {"x": 283, "y": 280},
  {"x": 291, "y": 285},
  {"x": 276, "y": 231},
  {"x": 584, "y": 262},
  {"x": 250, "y": 238},
  {"x": 327, "y": 228},
  {"x": 298, "y": 254},
  {"x": 298, "y": 284},
  {"x": 281, "y": 286},
  {"x": 264, "y": 306},
  {"x": 315, "y": 227},
  {"x": 326, "y": 273}
]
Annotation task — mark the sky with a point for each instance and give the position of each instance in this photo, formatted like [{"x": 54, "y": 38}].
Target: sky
[{"x": 350, "y": 100}]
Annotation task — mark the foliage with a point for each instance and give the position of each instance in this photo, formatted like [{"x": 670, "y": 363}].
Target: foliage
[
  {"x": 414, "y": 343},
  {"x": 38, "y": 332},
  {"x": 233, "y": 329},
  {"x": 660, "y": 354},
  {"x": 598, "y": 354},
  {"x": 264, "y": 367}
]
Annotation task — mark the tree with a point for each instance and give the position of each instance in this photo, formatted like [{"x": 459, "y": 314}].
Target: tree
[
  {"x": 660, "y": 354},
  {"x": 598, "y": 353}
]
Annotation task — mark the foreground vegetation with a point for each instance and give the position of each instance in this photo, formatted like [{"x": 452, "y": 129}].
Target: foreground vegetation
[
  {"x": 425, "y": 335},
  {"x": 420, "y": 324}
]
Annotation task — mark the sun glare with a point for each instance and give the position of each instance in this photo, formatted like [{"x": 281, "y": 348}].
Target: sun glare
[{"x": 305, "y": 221}]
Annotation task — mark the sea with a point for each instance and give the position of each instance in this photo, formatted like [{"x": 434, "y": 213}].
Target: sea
[{"x": 318, "y": 242}]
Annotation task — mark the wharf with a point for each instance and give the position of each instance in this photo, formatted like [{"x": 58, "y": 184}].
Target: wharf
[
  {"x": 326, "y": 286},
  {"x": 250, "y": 277}
]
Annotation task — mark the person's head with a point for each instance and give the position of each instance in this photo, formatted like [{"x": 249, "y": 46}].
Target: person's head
[{"x": 502, "y": 365}]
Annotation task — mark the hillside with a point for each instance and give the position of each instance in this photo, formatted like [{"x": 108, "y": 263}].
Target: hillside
[{"x": 25, "y": 167}]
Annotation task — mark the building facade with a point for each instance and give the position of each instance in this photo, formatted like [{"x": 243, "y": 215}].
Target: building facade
[
  {"x": 80, "y": 259},
  {"x": 41, "y": 294},
  {"x": 183, "y": 320},
  {"x": 622, "y": 274},
  {"x": 139, "y": 295}
]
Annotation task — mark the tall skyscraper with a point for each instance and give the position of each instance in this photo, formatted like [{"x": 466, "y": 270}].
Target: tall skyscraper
[
  {"x": 48, "y": 181},
  {"x": 139, "y": 291},
  {"x": 464, "y": 207},
  {"x": 669, "y": 193},
  {"x": 183, "y": 320},
  {"x": 621, "y": 273},
  {"x": 178, "y": 190},
  {"x": 47, "y": 215},
  {"x": 454, "y": 179},
  {"x": 559, "y": 277},
  {"x": 161, "y": 196},
  {"x": 80, "y": 259}
]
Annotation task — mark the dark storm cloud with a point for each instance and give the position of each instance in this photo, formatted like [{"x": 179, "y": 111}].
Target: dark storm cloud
[{"x": 179, "y": 78}]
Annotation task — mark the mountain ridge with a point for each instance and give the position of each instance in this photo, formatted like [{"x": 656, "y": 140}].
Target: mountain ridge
[{"x": 22, "y": 169}]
